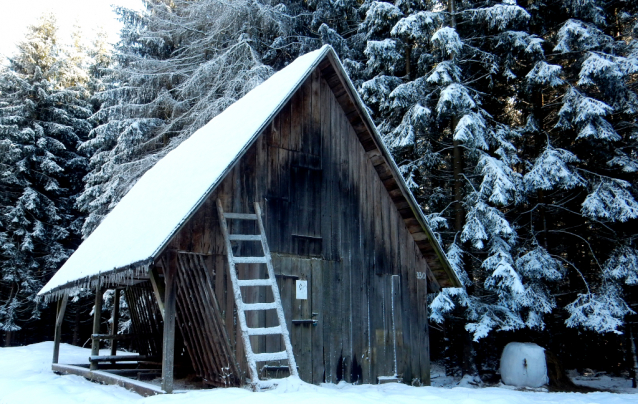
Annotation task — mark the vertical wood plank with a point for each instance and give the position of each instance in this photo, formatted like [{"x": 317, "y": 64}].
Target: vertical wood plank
[
  {"x": 306, "y": 360},
  {"x": 424, "y": 342},
  {"x": 318, "y": 314},
  {"x": 286, "y": 126},
  {"x": 315, "y": 137},
  {"x": 326, "y": 191},
  {"x": 296, "y": 337},
  {"x": 296, "y": 120}
]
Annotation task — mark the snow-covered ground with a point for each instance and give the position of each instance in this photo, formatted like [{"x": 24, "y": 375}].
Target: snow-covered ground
[{"x": 26, "y": 377}]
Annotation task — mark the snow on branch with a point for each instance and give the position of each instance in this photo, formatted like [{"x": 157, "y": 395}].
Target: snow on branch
[
  {"x": 483, "y": 222},
  {"x": 551, "y": 171},
  {"x": 622, "y": 265},
  {"x": 576, "y": 35},
  {"x": 380, "y": 18},
  {"x": 455, "y": 99},
  {"x": 418, "y": 26},
  {"x": 383, "y": 56},
  {"x": 586, "y": 114},
  {"x": 610, "y": 199},
  {"x": 445, "y": 73},
  {"x": 601, "y": 312},
  {"x": 538, "y": 264},
  {"x": 500, "y": 183},
  {"x": 406, "y": 95},
  {"x": 544, "y": 74},
  {"x": 448, "y": 41},
  {"x": 500, "y": 16},
  {"x": 523, "y": 42},
  {"x": 472, "y": 131},
  {"x": 455, "y": 257},
  {"x": 376, "y": 91},
  {"x": 412, "y": 122},
  {"x": 628, "y": 163},
  {"x": 443, "y": 303}
]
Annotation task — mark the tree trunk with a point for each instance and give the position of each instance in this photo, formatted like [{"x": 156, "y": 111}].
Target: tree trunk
[
  {"x": 537, "y": 105},
  {"x": 541, "y": 211},
  {"x": 634, "y": 360},
  {"x": 76, "y": 328},
  {"x": 459, "y": 212},
  {"x": 469, "y": 355}
]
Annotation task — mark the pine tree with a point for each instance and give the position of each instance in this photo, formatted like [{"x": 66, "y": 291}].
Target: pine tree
[{"x": 41, "y": 125}]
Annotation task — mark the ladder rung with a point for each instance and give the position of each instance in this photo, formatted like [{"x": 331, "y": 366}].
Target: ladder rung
[
  {"x": 244, "y": 237},
  {"x": 240, "y": 216},
  {"x": 270, "y": 356},
  {"x": 259, "y": 306},
  {"x": 249, "y": 260},
  {"x": 254, "y": 282},
  {"x": 264, "y": 331}
]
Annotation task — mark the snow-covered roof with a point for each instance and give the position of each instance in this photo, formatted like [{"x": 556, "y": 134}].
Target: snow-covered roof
[
  {"x": 136, "y": 231},
  {"x": 140, "y": 225}
]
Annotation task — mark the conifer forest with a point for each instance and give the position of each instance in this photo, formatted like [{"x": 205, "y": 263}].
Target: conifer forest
[{"x": 514, "y": 123}]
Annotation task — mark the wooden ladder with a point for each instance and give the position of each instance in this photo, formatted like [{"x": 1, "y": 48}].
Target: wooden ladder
[{"x": 251, "y": 356}]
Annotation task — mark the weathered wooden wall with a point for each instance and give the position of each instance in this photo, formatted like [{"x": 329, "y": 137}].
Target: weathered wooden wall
[{"x": 330, "y": 221}]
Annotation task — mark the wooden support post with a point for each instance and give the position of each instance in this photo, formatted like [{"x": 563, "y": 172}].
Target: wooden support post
[
  {"x": 58, "y": 327},
  {"x": 97, "y": 319},
  {"x": 168, "y": 353},
  {"x": 115, "y": 320}
]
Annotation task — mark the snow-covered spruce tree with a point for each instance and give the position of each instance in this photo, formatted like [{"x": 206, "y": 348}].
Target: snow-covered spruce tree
[
  {"x": 429, "y": 77},
  {"x": 41, "y": 125},
  {"x": 580, "y": 153},
  {"x": 530, "y": 156},
  {"x": 178, "y": 64},
  {"x": 469, "y": 95}
]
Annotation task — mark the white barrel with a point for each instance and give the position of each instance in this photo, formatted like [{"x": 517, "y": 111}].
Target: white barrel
[{"x": 523, "y": 365}]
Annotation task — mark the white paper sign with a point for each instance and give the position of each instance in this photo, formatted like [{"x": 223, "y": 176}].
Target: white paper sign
[{"x": 302, "y": 290}]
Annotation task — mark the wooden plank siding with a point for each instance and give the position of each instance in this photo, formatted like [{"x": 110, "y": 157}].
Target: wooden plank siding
[{"x": 334, "y": 218}]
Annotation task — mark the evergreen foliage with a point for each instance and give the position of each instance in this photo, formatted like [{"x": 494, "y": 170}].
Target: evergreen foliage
[{"x": 43, "y": 119}]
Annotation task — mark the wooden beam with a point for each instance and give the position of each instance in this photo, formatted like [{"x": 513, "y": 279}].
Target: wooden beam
[
  {"x": 168, "y": 353},
  {"x": 158, "y": 288},
  {"x": 115, "y": 320},
  {"x": 119, "y": 337},
  {"x": 97, "y": 320},
  {"x": 120, "y": 358},
  {"x": 58, "y": 327},
  {"x": 144, "y": 389}
]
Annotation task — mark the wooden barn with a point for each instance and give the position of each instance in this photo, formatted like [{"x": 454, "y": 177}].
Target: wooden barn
[{"x": 279, "y": 239}]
